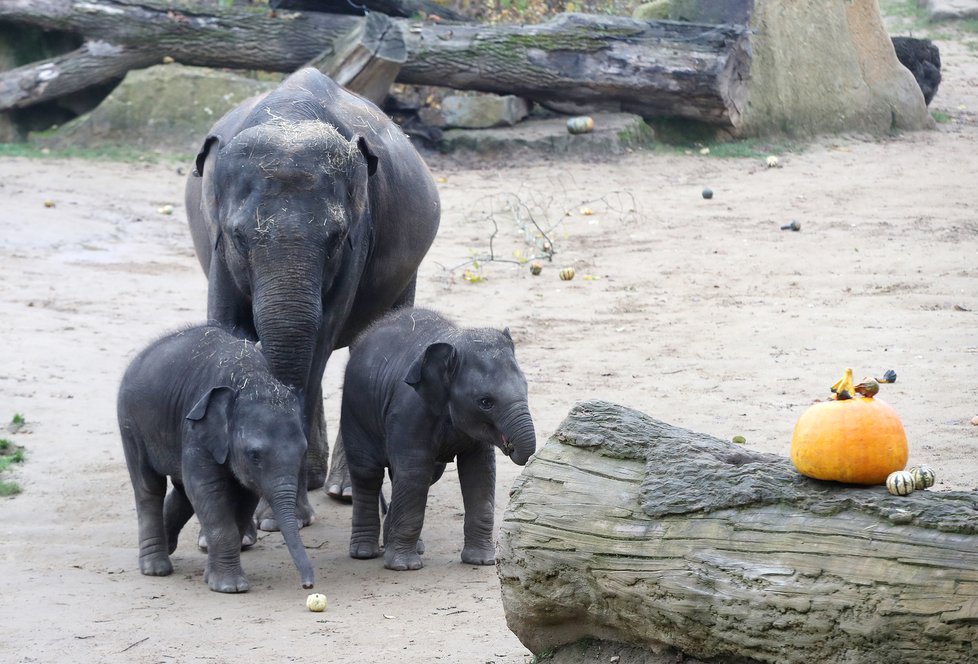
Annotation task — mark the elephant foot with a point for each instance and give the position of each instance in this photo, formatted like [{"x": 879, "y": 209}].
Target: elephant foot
[
  {"x": 479, "y": 555},
  {"x": 400, "y": 562},
  {"x": 155, "y": 565},
  {"x": 364, "y": 550},
  {"x": 266, "y": 518},
  {"x": 315, "y": 478},
  {"x": 338, "y": 485},
  {"x": 232, "y": 582}
]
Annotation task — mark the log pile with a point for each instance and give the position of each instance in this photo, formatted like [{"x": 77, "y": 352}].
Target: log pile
[
  {"x": 651, "y": 68},
  {"x": 626, "y": 529}
]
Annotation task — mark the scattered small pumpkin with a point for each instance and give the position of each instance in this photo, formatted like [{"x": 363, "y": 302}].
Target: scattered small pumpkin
[
  {"x": 566, "y": 274},
  {"x": 707, "y": 193},
  {"x": 536, "y": 267},
  {"x": 900, "y": 483},
  {"x": 923, "y": 477},
  {"x": 316, "y": 602},
  {"x": 583, "y": 124},
  {"x": 851, "y": 438}
]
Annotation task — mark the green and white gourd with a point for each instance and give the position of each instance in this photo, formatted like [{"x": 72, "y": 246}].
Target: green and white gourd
[
  {"x": 923, "y": 477},
  {"x": 900, "y": 483}
]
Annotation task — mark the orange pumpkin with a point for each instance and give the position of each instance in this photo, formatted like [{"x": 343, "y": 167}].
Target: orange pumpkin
[{"x": 854, "y": 440}]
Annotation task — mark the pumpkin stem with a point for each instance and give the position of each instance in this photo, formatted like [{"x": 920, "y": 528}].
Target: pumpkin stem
[{"x": 843, "y": 388}]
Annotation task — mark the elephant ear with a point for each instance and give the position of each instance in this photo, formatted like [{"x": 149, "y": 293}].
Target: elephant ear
[
  {"x": 202, "y": 155},
  {"x": 509, "y": 338},
  {"x": 368, "y": 154},
  {"x": 209, "y": 421},
  {"x": 431, "y": 375}
]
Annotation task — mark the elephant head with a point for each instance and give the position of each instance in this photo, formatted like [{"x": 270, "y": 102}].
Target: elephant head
[
  {"x": 289, "y": 204},
  {"x": 475, "y": 379},
  {"x": 256, "y": 431}
]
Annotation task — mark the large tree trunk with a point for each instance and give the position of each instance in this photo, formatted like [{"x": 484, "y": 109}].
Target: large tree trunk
[
  {"x": 655, "y": 69},
  {"x": 629, "y": 530}
]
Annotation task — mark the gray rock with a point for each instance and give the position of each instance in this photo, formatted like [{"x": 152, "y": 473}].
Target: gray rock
[
  {"x": 657, "y": 10},
  {"x": 943, "y": 10},
  {"x": 481, "y": 111},
  {"x": 613, "y": 134},
  {"x": 166, "y": 108}
]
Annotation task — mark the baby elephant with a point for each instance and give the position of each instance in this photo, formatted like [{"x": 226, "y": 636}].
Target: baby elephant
[
  {"x": 201, "y": 407},
  {"x": 420, "y": 392}
]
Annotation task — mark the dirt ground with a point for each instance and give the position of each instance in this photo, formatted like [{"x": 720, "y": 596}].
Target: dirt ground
[{"x": 703, "y": 313}]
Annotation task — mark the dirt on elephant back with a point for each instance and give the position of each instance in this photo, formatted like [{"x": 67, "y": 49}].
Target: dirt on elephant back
[{"x": 703, "y": 313}]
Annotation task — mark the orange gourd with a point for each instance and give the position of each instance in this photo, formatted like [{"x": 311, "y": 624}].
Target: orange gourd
[{"x": 852, "y": 439}]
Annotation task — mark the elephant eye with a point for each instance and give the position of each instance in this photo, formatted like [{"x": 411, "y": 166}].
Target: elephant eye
[{"x": 486, "y": 403}]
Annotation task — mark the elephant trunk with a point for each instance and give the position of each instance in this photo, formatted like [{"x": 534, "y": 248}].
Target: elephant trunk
[
  {"x": 283, "y": 502},
  {"x": 288, "y": 314},
  {"x": 519, "y": 436}
]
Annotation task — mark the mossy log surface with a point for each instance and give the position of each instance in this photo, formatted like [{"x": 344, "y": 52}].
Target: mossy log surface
[
  {"x": 655, "y": 69},
  {"x": 624, "y": 528}
]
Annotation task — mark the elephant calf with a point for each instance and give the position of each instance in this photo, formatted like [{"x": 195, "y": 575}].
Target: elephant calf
[
  {"x": 201, "y": 407},
  {"x": 420, "y": 392}
]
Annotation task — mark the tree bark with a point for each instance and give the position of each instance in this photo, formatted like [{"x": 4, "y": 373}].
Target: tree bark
[
  {"x": 626, "y": 529},
  {"x": 652, "y": 68}
]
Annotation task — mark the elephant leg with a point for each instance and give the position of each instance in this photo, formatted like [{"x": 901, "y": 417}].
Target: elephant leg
[
  {"x": 477, "y": 477},
  {"x": 365, "y": 535},
  {"x": 216, "y": 502},
  {"x": 246, "y": 519},
  {"x": 338, "y": 484},
  {"x": 177, "y": 510},
  {"x": 149, "y": 489},
  {"x": 317, "y": 453},
  {"x": 154, "y": 556},
  {"x": 405, "y": 519}
]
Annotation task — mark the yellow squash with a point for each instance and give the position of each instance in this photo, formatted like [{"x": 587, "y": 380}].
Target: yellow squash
[{"x": 851, "y": 439}]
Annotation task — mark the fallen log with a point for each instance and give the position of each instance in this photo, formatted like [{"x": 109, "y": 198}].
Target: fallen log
[
  {"x": 626, "y": 529},
  {"x": 652, "y": 68}
]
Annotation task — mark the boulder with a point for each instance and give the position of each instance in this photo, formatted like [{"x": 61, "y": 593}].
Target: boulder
[
  {"x": 657, "y": 10},
  {"x": 827, "y": 66},
  {"x": 943, "y": 10},
  {"x": 480, "y": 111},
  {"x": 613, "y": 134},
  {"x": 166, "y": 108}
]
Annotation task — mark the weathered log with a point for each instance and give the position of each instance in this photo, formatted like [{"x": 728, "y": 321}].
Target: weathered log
[
  {"x": 654, "y": 69},
  {"x": 629, "y": 530}
]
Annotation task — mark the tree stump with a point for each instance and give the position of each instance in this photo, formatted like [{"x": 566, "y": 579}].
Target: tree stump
[
  {"x": 626, "y": 529},
  {"x": 367, "y": 59}
]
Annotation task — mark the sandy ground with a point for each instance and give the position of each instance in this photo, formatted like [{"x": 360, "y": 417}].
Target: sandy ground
[{"x": 699, "y": 312}]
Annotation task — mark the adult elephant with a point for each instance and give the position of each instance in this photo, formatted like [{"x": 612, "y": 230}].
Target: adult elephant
[{"x": 310, "y": 212}]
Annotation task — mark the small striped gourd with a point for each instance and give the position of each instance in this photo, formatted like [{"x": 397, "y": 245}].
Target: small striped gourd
[{"x": 900, "y": 483}]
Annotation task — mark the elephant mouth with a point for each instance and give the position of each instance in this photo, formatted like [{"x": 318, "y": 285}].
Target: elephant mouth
[{"x": 506, "y": 446}]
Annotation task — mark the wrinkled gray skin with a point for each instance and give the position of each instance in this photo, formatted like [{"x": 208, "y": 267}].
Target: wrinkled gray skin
[
  {"x": 310, "y": 216},
  {"x": 200, "y": 406},
  {"x": 420, "y": 392}
]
